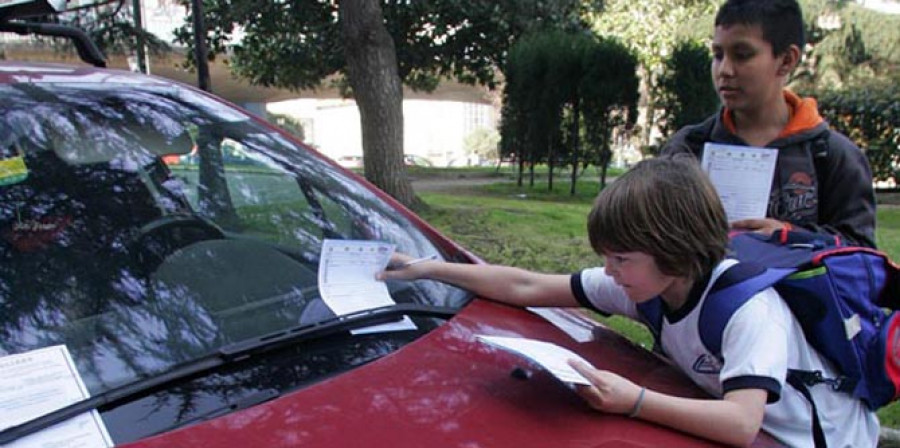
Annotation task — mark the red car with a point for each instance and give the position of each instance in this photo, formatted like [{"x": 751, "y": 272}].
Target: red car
[{"x": 170, "y": 242}]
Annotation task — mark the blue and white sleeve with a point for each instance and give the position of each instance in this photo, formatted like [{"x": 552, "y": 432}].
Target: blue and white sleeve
[
  {"x": 755, "y": 346},
  {"x": 597, "y": 291}
]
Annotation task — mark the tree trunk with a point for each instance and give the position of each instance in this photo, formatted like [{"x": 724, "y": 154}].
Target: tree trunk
[
  {"x": 605, "y": 151},
  {"x": 551, "y": 161},
  {"x": 214, "y": 196},
  {"x": 646, "y": 88},
  {"x": 372, "y": 72},
  {"x": 575, "y": 142}
]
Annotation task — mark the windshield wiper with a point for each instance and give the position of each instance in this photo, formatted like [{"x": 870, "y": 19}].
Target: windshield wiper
[{"x": 238, "y": 351}]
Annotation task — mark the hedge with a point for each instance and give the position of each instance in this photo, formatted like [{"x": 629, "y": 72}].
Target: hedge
[{"x": 870, "y": 116}]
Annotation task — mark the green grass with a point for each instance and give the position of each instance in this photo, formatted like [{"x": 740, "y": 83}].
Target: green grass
[
  {"x": 887, "y": 234},
  {"x": 492, "y": 170},
  {"x": 545, "y": 231},
  {"x": 456, "y": 172},
  {"x": 515, "y": 231},
  {"x": 585, "y": 191}
]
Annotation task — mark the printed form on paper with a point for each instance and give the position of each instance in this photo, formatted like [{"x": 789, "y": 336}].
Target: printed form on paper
[
  {"x": 742, "y": 176},
  {"x": 41, "y": 381},
  {"x": 347, "y": 281},
  {"x": 553, "y": 358}
]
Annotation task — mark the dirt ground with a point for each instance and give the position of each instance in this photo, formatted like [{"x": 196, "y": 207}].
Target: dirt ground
[
  {"x": 452, "y": 183},
  {"x": 888, "y": 198}
]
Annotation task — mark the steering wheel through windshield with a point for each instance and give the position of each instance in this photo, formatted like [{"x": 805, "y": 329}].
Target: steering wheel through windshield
[{"x": 159, "y": 238}]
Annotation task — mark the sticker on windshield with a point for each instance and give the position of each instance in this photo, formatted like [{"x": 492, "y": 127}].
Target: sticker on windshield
[{"x": 13, "y": 170}]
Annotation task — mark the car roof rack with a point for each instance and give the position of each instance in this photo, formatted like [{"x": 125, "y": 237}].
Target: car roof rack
[
  {"x": 86, "y": 48},
  {"x": 12, "y": 9}
]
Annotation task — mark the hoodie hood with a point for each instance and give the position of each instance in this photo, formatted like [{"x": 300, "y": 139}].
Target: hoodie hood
[{"x": 804, "y": 119}]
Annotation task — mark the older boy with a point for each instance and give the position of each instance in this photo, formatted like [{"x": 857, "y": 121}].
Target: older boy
[
  {"x": 822, "y": 182},
  {"x": 663, "y": 233}
]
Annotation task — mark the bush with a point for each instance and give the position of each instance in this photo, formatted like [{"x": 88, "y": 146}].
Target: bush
[
  {"x": 685, "y": 89},
  {"x": 870, "y": 116}
]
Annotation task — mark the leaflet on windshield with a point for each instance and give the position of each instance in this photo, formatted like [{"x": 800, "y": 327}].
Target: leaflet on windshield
[
  {"x": 41, "y": 381},
  {"x": 347, "y": 281}
]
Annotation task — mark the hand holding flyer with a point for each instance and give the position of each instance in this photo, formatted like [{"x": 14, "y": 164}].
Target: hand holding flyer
[
  {"x": 553, "y": 358},
  {"x": 347, "y": 281}
]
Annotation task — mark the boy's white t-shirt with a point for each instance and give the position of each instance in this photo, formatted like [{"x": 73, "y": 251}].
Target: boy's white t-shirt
[{"x": 761, "y": 341}]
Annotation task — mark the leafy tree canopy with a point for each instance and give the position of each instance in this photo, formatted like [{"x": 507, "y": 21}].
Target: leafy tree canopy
[
  {"x": 483, "y": 142},
  {"x": 558, "y": 84},
  {"x": 288, "y": 123},
  {"x": 651, "y": 28},
  {"x": 686, "y": 92},
  {"x": 849, "y": 45},
  {"x": 109, "y": 23},
  {"x": 298, "y": 44}
]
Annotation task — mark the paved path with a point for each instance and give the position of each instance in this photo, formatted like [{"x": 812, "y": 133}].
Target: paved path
[
  {"x": 448, "y": 182},
  {"x": 451, "y": 183}
]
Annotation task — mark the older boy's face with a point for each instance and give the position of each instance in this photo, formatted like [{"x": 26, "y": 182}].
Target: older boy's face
[
  {"x": 638, "y": 274},
  {"x": 744, "y": 70}
]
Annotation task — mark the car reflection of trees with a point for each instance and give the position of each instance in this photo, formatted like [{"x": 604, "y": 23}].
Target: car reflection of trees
[
  {"x": 156, "y": 321},
  {"x": 93, "y": 272},
  {"x": 68, "y": 270}
]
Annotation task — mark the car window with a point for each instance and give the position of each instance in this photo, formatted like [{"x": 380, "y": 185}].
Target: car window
[{"x": 146, "y": 226}]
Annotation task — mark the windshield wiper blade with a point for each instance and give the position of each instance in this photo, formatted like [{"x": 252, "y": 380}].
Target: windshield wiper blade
[
  {"x": 328, "y": 327},
  {"x": 224, "y": 355}
]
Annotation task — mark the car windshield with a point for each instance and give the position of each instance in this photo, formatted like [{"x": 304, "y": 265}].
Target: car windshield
[{"x": 143, "y": 226}]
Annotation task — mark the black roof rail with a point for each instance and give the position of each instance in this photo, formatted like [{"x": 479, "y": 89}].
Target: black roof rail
[
  {"x": 16, "y": 9},
  {"x": 12, "y": 11},
  {"x": 87, "y": 49}
]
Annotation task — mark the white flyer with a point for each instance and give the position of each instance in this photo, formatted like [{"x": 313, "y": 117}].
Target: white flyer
[
  {"x": 578, "y": 328},
  {"x": 41, "y": 381},
  {"x": 347, "y": 281},
  {"x": 551, "y": 357},
  {"x": 742, "y": 176}
]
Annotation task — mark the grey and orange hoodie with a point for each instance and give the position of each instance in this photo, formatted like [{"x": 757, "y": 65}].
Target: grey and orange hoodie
[{"x": 822, "y": 182}]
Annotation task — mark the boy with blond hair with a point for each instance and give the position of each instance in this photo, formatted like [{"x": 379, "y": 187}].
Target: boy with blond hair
[{"x": 663, "y": 233}]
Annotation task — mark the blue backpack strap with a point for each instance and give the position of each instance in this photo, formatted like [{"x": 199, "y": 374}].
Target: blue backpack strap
[
  {"x": 781, "y": 249},
  {"x": 802, "y": 381},
  {"x": 651, "y": 312},
  {"x": 729, "y": 292}
]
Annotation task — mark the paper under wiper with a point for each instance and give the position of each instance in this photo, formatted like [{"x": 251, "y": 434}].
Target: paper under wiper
[{"x": 347, "y": 281}]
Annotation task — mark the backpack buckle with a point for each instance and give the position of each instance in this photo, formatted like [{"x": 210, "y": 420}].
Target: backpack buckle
[
  {"x": 811, "y": 378},
  {"x": 836, "y": 384}
]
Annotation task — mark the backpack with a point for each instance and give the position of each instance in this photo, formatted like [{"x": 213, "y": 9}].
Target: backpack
[{"x": 842, "y": 296}]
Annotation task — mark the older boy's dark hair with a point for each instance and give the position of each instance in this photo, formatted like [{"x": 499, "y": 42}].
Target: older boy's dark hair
[
  {"x": 781, "y": 20},
  {"x": 665, "y": 207}
]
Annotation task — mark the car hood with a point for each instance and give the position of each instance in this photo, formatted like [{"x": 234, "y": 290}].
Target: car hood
[{"x": 447, "y": 389}]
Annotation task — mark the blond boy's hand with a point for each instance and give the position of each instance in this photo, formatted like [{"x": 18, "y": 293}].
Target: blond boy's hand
[
  {"x": 399, "y": 270},
  {"x": 608, "y": 392}
]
